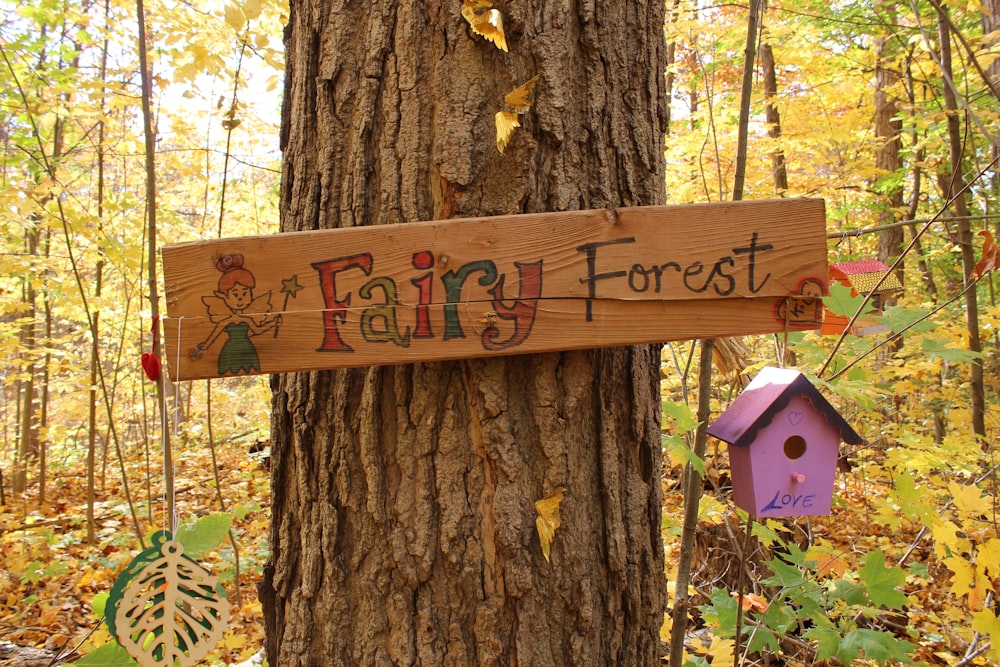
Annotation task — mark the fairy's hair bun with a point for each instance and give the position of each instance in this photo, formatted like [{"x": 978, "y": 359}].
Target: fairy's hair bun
[{"x": 229, "y": 262}]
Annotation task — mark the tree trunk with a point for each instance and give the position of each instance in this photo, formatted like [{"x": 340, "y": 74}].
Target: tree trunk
[
  {"x": 888, "y": 134},
  {"x": 773, "y": 119},
  {"x": 403, "y": 520},
  {"x": 954, "y": 184}
]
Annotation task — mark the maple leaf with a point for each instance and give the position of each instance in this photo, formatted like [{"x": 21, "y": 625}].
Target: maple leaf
[
  {"x": 843, "y": 302},
  {"x": 234, "y": 17},
  {"x": 548, "y": 519},
  {"x": 881, "y": 582},
  {"x": 988, "y": 558},
  {"x": 485, "y": 21},
  {"x": 964, "y": 580},
  {"x": 969, "y": 499},
  {"x": 991, "y": 255},
  {"x": 985, "y": 622}
]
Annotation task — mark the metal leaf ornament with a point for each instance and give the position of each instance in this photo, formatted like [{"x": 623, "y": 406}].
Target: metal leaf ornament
[
  {"x": 485, "y": 21},
  {"x": 165, "y": 609},
  {"x": 548, "y": 519},
  {"x": 507, "y": 121}
]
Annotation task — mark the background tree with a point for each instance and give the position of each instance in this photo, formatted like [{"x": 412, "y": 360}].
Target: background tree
[{"x": 403, "y": 521}]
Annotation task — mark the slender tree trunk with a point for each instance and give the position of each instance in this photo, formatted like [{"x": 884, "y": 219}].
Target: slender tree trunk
[
  {"x": 888, "y": 134},
  {"x": 956, "y": 182},
  {"x": 403, "y": 521},
  {"x": 27, "y": 443},
  {"x": 671, "y": 58},
  {"x": 773, "y": 118},
  {"x": 916, "y": 190}
]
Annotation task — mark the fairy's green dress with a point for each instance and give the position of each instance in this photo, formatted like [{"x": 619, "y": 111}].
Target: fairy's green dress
[{"x": 238, "y": 354}]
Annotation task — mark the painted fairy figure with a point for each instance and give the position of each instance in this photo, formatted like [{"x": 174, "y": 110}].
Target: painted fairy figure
[{"x": 228, "y": 309}]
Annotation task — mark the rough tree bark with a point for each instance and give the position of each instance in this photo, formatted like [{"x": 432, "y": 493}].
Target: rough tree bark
[
  {"x": 773, "y": 118},
  {"x": 403, "y": 522},
  {"x": 888, "y": 133}
]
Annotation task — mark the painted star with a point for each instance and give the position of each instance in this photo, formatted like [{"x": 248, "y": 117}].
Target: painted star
[{"x": 291, "y": 286}]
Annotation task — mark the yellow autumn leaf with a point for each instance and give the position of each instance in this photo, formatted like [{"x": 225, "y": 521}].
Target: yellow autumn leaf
[
  {"x": 948, "y": 540},
  {"x": 969, "y": 499},
  {"x": 234, "y": 17},
  {"x": 985, "y": 622},
  {"x": 721, "y": 652},
  {"x": 506, "y": 122},
  {"x": 520, "y": 97},
  {"x": 548, "y": 519},
  {"x": 488, "y": 22},
  {"x": 965, "y": 582},
  {"x": 988, "y": 558},
  {"x": 251, "y": 9}
]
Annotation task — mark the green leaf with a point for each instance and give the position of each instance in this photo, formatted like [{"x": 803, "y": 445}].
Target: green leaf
[
  {"x": 110, "y": 655},
  {"x": 939, "y": 348},
  {"x": 880, "y": 582},
  {"x": 696, "y": 661},
  {"x": 877, "y": 645},
  {"x": 721, "y": 613},
  {"x": 98, "y": 604},
  {"x": 241, "y": 511},
  {"x": 827, "y": 641},
  {"x": 682, "y": 454},
  {"x": 784, "y": 574},
  {"x": 899, "y": 318},
  {"x": 684, "y": 419},
  {"x": 204, "y": 535},
  {"x": 840, "y": 301}
]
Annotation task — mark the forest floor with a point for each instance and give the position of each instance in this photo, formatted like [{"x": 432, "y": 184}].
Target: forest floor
[
  {"x": 52, "y": 579},
  {"x": 934, "y": 619}
]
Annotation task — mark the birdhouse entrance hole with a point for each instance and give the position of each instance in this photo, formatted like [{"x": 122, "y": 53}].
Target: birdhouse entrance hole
[{"x": 795, "y": 446}]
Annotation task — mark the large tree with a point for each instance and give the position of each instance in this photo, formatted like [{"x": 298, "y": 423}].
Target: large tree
[{"x": 403, "y": 526}]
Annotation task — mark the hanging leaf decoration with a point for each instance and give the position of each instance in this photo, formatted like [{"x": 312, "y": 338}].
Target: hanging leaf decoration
[
  {"x": 507, "y": 121},
  {"x": 485, "y": 21},
  {"x": 548, "y": 519},
  {"x": 165, "y": 609},
  {"x": 520, "y": 97}
]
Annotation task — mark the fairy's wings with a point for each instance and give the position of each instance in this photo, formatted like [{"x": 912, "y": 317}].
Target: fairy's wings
[
  {"x": 259, "y": 308},
  {"x": 217, "y": 308}
]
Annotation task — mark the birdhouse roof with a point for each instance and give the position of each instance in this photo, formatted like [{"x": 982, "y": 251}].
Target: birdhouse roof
[
  {"x": 865, "y": 274},
  {"x": 767, "y": 395}
]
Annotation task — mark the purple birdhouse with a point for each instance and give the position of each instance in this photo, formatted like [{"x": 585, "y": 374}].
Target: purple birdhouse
[{"x": 784, "y": 442}]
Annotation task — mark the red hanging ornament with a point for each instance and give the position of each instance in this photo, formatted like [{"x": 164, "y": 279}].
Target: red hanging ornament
[
  {"x": 151, "y": 362},
  {"x": 151, "y": 365}
]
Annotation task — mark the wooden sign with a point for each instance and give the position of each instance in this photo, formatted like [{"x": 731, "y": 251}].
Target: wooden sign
[{"x": 478, "y": 287}]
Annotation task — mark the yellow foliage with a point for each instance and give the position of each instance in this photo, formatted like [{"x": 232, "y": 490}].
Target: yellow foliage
[
  {"x": 234, "y": 17},
  {"x": 969, "y": 499},
  {"x": 947, "y": 541},
  {"x": 987, "y": 623}
]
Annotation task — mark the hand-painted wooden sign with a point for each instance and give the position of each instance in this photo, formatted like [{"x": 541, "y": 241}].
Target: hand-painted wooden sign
[{"x": 478, "y": 287}]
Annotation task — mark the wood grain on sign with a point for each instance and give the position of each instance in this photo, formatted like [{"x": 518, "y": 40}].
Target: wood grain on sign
[{"x": 485, "y": 286}]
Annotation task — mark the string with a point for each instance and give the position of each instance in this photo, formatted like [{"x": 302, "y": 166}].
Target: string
[{"x": 175, "y": 426}]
